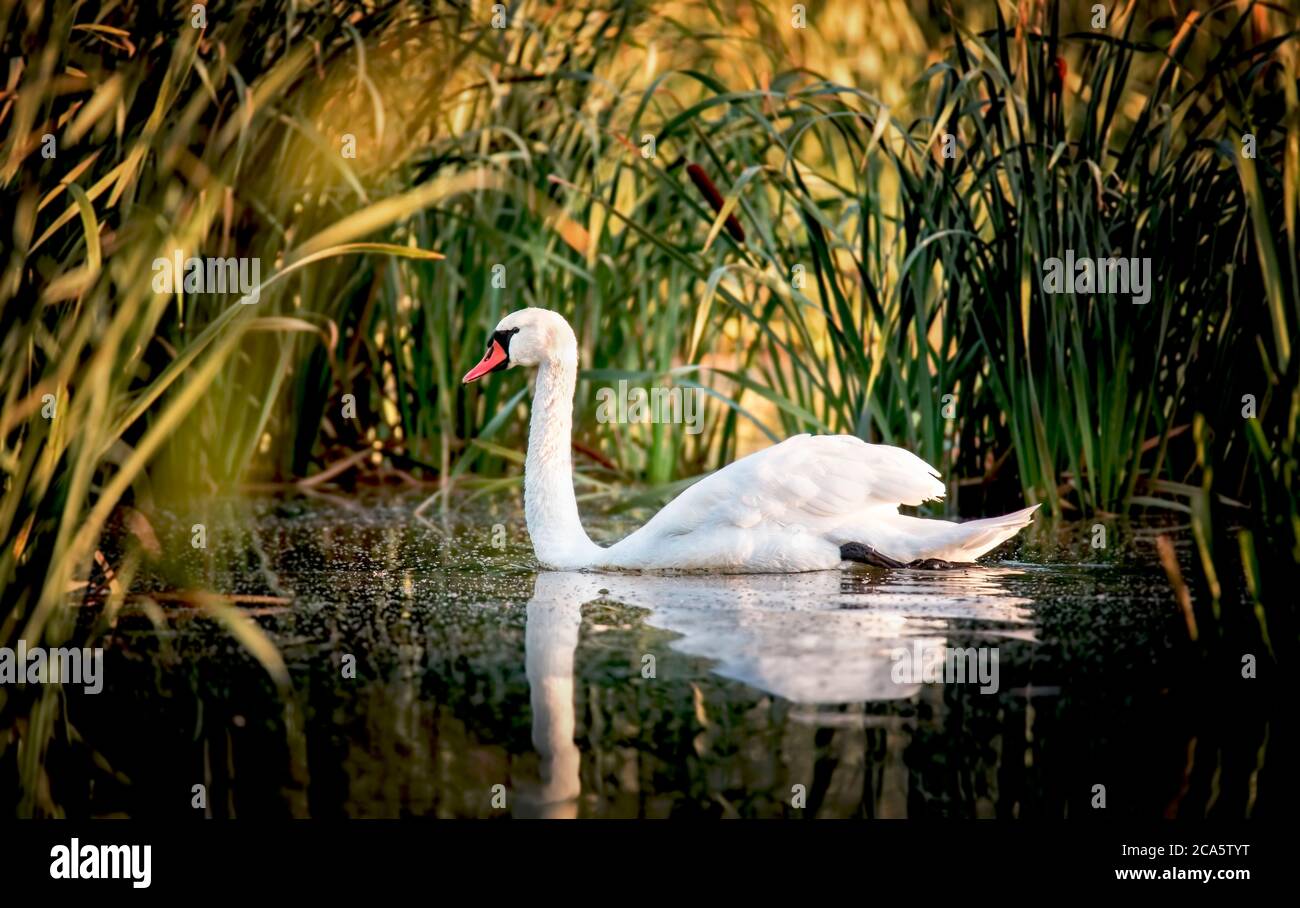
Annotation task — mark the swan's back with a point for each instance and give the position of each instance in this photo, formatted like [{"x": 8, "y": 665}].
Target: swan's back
[{"x": 814, "y": 481}]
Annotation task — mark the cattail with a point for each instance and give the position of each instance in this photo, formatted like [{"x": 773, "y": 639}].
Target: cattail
[
  {"x": 710, "y": 192},
  {"x": 1062, "y": 69}
]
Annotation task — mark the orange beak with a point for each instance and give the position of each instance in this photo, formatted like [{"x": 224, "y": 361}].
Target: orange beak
[{"x": 491, "y": 361}]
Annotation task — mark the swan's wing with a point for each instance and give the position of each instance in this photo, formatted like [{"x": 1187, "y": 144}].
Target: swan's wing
[{"x": 814, "y": 481}]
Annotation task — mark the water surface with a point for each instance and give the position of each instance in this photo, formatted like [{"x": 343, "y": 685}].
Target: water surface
[{"x": 435, "y": 673}]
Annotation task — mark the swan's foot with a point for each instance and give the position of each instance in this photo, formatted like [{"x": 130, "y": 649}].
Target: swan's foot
[
  {"x": 934, "y": 564},
  {"x": 865, "y": 554}
]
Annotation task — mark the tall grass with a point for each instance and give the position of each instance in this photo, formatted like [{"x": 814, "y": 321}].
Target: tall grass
[
  {"x": 107, "y": 383},
  {"x": 921, "y": 275}
]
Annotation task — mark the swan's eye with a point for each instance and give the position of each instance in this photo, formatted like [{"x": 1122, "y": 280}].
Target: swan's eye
[{"x": 502, "y": 338}]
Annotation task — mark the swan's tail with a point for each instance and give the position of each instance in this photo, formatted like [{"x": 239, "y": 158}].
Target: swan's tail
[{"x": 909, "y": 539}]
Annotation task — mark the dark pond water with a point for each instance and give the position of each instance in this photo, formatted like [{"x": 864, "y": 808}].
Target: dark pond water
[{"x": 434, "y": 672}]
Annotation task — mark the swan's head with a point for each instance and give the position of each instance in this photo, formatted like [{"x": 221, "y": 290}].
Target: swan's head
[{"x": 527, "y": 337}]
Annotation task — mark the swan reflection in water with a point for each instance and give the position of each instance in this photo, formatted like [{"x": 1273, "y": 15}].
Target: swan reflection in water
[{"x": 825, "y": 637}]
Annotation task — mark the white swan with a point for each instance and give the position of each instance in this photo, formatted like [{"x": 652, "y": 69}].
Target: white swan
[{"x": 806, "y": 504}]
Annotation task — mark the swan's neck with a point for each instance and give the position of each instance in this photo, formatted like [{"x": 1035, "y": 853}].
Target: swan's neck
[{"x": 549, "y": 503}]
